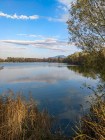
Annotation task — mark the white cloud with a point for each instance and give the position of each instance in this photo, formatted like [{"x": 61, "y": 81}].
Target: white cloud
[
  {"x": 23, "y": 48},
  {"x": 32, "y": 36},
  {"x": 63, "y": 18},
  {"x": 21, "y": 17},
  {"x": 66, "y": 3},
  {"x": 49, "y": 43},
  {"x": 11, "y": 50},
  {"x": 62, "y": 8}
]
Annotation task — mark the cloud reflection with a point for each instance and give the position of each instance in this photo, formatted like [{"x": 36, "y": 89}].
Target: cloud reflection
[{"x": 37, "y": 73}]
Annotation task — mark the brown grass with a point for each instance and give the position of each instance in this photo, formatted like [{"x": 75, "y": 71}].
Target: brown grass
[
  {"x": 93, "y": 124},
  {"x": 20, "y": 120}
]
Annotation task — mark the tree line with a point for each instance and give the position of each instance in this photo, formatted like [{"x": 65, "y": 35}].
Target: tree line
[
  {"x": 87, "y": 58},
  {"x": 20, "y": 59},
  {"x": 78, "y": 58}
]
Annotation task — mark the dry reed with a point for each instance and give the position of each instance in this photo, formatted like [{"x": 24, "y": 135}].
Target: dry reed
[
  {"x": 20, "y": 120},
  {"x": 92, "y": 126}
]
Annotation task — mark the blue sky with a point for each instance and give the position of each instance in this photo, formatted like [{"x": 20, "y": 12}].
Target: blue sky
[{"x": 34, "y": 28}]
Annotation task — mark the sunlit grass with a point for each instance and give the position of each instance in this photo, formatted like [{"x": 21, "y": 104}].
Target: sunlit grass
[
  {"x": 92, "y": 125},
  {"x": 21, "y": 120}
]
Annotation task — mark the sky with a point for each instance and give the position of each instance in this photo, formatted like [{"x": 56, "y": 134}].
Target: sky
[{"x": 34, "y": 28}]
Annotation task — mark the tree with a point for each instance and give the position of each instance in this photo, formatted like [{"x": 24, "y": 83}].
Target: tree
[{"x": 86, "y": 24}]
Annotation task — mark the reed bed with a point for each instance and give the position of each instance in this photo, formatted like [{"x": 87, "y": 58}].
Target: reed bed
[
  {"x": 21, "y": 120},
  {"x": 92, "y": 125}
]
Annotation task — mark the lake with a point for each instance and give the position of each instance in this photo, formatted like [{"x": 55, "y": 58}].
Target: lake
[{"x": 57, "y": 87}]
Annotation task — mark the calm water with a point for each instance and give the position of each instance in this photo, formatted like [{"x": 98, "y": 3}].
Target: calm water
[{"x": 56, "y": 87}]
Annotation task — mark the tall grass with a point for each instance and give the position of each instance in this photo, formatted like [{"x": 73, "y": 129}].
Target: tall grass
[
  {"x": 20, "y": 120},
  {"x": 92, "y": 125}
]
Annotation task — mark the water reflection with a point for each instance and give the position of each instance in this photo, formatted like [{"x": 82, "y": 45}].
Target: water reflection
[
  {"x": 54, "y": 86},
  {"x": 1, "y": 67},
  {"x": 83, "y": 71},
  {"x": 94, "y": 72}
]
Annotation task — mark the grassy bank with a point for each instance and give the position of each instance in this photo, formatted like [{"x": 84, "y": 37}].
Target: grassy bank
[
  {"x": 92, "y": 125},
  {"x": 21, "y": 120}
]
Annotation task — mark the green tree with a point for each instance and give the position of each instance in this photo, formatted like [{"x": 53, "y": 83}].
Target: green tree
[{"x": 86, "y": 24}]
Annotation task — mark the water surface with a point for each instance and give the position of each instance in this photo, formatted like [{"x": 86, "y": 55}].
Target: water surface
[{"x": 54, "y": 86}]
